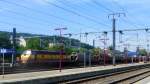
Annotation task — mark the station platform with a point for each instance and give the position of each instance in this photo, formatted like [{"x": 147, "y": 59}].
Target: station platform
[{"x": 56, "y": 75}]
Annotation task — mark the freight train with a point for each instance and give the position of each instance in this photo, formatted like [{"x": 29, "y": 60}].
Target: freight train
[{"x": 44, "y": 56}]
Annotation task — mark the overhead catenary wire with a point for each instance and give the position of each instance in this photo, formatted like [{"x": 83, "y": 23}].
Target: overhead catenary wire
[
  {"x": 31, "y": 17},
  {"x": 26, "y": 20},
  {"x": 47, "y": 14},
  {"x": 124, "y": 30},
  {"x": 109, "y": 10},
  {"x": 18, "y": 25},
  {"x": 76, "y": 13},
  {"x": 117, "y": 4},
  {"x": 102, "y": 6},
  {"x": 76, "y": 9},
  {"x": 123, "y": 9}
]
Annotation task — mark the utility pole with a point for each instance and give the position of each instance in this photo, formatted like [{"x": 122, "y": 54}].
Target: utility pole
[
  {"x": 137, "y": 53},
  {"x": 94, "y": 43},
  {"x": 125, "y": 48},
  {"x": 147, "y": 40},
  {"x": 61, "y": 51},
  {"x": 104, "y": 40},
  {"x": 86, "y": 34},
  {"x": 85, "y": 54},
  {"x": 105, "y": 45},
  {"x": 80, "y": 37},
  {"x": 54, "y": 39},
  {"x": 41, "y": 43},
  {"x": 114, "y": 15},
  {"x": 120, "y": 36},
  {"x": 138, "y": 47},
  {"x": 70, "y": 43},
  {"x": 89, "y": 53},
  {"x": 126, "y": 54}
]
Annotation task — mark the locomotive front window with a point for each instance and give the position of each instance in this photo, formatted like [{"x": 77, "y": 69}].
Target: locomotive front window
[{"x": 28, "y": 52}]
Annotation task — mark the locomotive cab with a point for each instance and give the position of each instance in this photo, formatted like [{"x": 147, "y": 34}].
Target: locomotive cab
[
  {"x": 26, "y": 56},
  {"x": 74, "y": 57}
]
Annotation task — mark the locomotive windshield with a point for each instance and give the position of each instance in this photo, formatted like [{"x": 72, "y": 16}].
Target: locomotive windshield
[{"x": 27, "y": 52}]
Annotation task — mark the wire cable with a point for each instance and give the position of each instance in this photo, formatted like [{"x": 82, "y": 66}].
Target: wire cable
[
  {"x": 109, "y": 10},
  {"x": 76, "y": 13},
  {"x": 30, "y": 17},
  {"x": 123, "y": 9},
  {"x": 41, "y": 12},
  {"x": 72, "y": 7}
]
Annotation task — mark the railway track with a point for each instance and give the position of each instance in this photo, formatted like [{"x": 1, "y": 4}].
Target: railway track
[
  {"x": 123, "y": 77},
  {"x": 133, "y": 79}
]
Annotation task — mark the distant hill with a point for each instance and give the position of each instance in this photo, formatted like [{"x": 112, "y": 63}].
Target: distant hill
[{"x": 44, "y": 38}]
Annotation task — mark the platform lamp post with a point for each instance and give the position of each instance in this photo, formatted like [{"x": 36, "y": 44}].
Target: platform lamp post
[
  {"x": 61, "y": 51},
  {"x": 147, "y": 40},
  {"x": 105, "y": 43},
  {"x": 138, "y": 48},
  {"x": 125, "y": 48},
  {"x": 86, "y": 37},
  {"x": 104, "y": 40},
  {"x": 126, "y": 54},
  {"x": 120, "y": 36},
  {"x": 70, "y": 43},
  {"x": 137, "y": 53}
]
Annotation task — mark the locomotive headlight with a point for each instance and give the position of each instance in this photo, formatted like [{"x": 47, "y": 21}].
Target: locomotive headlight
[{"x": 28, "y": 52}]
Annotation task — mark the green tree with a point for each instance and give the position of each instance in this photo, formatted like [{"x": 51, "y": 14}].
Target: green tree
[
  {"x": 55, "y": 48},
  {"x": 142, "y": 52},
  {"x": 34, "y": 43},
  {"x": 21, "y": 48},
  {"x": 4, "y": 41},
  {"x": 70, "y": 50},
  {"x": 110, "y": 47}
]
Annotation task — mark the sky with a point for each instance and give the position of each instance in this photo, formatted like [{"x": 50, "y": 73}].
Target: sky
[{"x": 43, "y": 16}]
